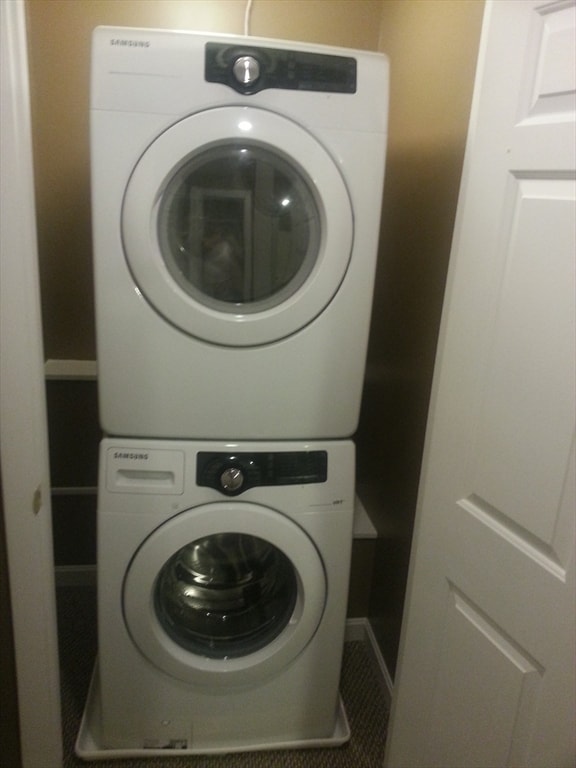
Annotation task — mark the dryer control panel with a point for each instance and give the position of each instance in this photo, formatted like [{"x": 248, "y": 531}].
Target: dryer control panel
[
  {"x": 249, "y": 69},
  {"x": 233, "y": 473}
]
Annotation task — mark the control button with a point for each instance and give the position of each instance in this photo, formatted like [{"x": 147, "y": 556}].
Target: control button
[
  {"x": 232, "y": 479},
  {"x": 246, "y": 70}
]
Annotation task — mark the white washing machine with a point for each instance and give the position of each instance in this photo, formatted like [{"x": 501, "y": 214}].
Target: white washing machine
[
  {"x": 222, "y": 580},
  {"x": 236, "y": 187}
]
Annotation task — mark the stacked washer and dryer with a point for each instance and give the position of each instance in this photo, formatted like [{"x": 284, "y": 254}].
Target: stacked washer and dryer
[{"x": 237, "y": 189}]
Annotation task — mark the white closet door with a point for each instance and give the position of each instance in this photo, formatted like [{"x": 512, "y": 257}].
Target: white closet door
[{"x": 486, "y": 671}]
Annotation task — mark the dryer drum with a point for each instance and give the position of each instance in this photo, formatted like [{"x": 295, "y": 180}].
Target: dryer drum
[
  {"x": 225, "y": 595},
  {"x": 238, "y": 226}
]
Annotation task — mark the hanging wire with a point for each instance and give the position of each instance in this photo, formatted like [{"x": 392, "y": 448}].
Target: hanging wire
[{"x": 247, "y": 13}]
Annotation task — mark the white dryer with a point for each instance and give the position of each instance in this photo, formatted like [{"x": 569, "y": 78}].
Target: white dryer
[
  {"x": 222, "y": 581},
  {"x": 236, "y": 188}
]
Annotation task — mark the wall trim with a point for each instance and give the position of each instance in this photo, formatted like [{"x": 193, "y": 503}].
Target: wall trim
[
  {"x": 360, "y": 629},
  {"x": 75, "y": 575},
  {"x": 74, "y": 490},
  {"x": 71, "y": 370}
]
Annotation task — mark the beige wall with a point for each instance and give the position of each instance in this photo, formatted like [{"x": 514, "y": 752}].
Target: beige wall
[{"x": 432, "y": 45}]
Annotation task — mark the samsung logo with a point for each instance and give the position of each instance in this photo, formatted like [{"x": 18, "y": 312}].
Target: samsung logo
[
  {"x": 131, "y": 43},
  {"x": 128, "y": 455}
]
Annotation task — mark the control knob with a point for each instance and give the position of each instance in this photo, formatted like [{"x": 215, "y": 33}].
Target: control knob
[
  {"x": 246, "y": 69},
  {"x": 231, "y": 479}
]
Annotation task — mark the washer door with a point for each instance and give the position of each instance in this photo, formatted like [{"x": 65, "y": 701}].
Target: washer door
[
  {"x": 224, "y": 594},
  {"x": 237, "y": 226}
]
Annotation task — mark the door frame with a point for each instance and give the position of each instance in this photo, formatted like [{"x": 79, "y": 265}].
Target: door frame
[{"x": 23, "y": 430}]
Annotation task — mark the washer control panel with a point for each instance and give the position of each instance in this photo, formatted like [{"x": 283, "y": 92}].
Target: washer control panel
[
  {"x": 234, "y": 473},
  {"x": 249, "y": 69}
]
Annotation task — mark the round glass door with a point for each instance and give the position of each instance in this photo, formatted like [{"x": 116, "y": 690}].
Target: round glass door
[
  {"x": 225, "y": 595},
  {"x": 237, "y": 226}
]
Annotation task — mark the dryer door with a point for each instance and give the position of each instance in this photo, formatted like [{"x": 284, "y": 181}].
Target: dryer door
[
  {"x": 224, "y": 594},
  {"x": 237, "y": 226}
]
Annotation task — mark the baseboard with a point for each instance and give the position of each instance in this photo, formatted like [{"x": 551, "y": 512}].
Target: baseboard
[{"x": 360, "y": 629}]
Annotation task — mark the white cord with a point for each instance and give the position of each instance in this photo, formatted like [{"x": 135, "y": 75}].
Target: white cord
[{"x": 247, "y": 13}]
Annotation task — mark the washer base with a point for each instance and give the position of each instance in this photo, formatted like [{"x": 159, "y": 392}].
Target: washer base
[{"x": 88, "y": 745}]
